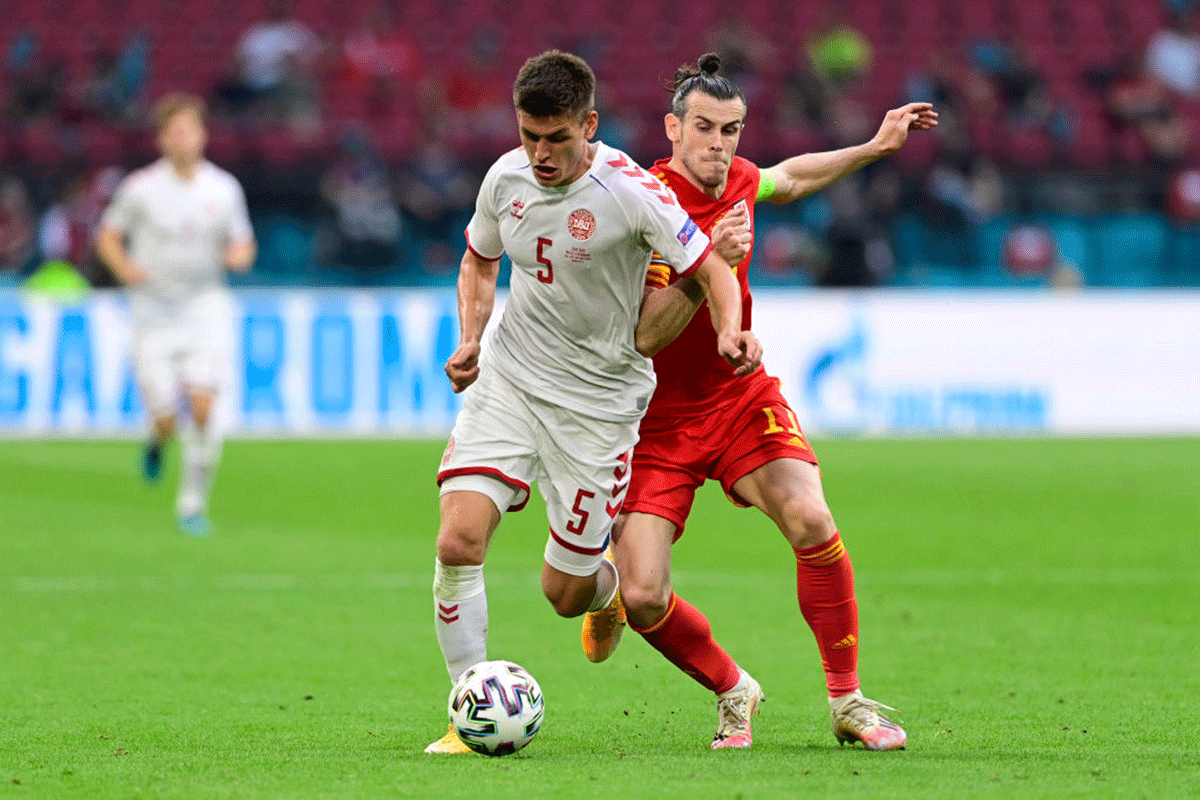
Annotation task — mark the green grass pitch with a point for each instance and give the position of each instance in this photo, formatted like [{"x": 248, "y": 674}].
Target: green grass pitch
[{"x": 1032, "y": 607}]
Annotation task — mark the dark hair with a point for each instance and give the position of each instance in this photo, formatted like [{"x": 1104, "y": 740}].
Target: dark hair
[
  {"x": 553, "y": 84},
  {"x": 702, "y": 77}
]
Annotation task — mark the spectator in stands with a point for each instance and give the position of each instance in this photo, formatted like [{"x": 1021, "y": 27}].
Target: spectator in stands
[
  {"x": 1140, "y": 106},
  {"x": 115, "y": 85},
  {"x": 367, "y": 220},
  {"x": 747, "y": 57},
  {"x": 16, "y": 229},
  {"x": 939, "y": 80},
  {"x": 859, "y": 251},
  {"x": 1023, "y": 92},
  {"x": 478, "y": 96},
  {"x": 270, "y": 54},
  {"x": 36, "y": 90},
  {"x": 839, "y": 53},
  {"x": 378, "y": 64},
  {"x": 949, "y": 212},
  {"x": 811, "y": 95},
  {"x": 68, "y": 228},
  {"x": 1173, "y": 53},
  {"x": 438, "y": 194}
]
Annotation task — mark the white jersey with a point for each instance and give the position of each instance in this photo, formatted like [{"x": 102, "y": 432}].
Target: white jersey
[
  {"x": 579, "y": 254},
  {"x": 178, "y": 231}
]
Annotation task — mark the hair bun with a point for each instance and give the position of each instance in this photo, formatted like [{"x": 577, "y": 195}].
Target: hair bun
[{"x": 709, "y": 63}]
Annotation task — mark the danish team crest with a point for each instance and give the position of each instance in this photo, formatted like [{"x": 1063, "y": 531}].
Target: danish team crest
[{"x": 581, "y": 224}]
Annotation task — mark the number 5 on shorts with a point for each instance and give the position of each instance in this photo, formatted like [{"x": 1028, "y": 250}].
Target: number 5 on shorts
[{"x": 576, "y": 526}]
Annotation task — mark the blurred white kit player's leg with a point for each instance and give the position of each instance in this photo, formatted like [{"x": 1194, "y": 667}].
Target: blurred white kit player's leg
[{"x": 185, "y": 355}]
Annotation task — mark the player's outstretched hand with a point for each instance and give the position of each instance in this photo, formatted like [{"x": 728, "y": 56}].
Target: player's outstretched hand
[
  {"x": 462, "y": 368},
  {"x": 731, "y": 235},
  {"x": 893, "y": 132},
  {"x": 742, "y": 350}
]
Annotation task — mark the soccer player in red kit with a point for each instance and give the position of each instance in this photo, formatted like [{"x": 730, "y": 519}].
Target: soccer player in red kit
[{"x": 702, "y": 424}]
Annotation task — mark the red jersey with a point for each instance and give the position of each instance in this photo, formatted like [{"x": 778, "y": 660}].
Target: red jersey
[{"x": 692, "y": 375}]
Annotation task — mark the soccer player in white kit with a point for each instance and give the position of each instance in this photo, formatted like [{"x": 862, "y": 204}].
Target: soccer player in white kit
[
  {"x": 558, "y": 394},
  {"x": 172, "y": 230}
]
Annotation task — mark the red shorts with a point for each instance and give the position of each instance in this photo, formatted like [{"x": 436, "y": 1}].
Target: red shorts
[{"x": 674, "y": 456}]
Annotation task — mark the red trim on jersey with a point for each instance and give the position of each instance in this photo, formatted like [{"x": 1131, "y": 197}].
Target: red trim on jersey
[
  {"x": 489, "y": 472},
  {"x": 696, "y": 265},
  {"x": 476, "y": 252},
  {"x": 574, "y": 548}
]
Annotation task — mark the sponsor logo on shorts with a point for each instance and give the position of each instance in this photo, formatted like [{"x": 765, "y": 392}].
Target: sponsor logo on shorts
[
  {"x": 581, "y": 224},
  {"x": 448, "y": 452}
]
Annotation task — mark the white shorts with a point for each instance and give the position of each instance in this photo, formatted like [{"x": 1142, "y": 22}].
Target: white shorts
[
  {"x": 504, "y": 439},
  {"x": 186, "y": 351}
]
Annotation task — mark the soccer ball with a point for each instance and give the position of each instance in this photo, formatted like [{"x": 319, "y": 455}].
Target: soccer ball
[{"x": 496, "y": 708}]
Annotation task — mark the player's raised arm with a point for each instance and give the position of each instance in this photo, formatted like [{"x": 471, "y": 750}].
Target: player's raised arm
[
  {"x": 802, "y": 175},
  {"x": 476, "y": 298}
]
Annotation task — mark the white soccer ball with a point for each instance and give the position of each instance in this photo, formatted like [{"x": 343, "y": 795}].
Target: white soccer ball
[{"x": 496, "y": 708}]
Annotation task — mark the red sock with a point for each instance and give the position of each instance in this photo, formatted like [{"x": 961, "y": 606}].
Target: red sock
[
  {"x": 825, "y": 589},
  {"x": 685, "y": 638}
]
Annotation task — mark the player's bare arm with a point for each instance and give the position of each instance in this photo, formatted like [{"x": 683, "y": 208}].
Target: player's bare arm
[
  {"x": 239, "y": 256},
  {"x": 476, "y": 298},
  {"x": 110, "y": 245},
  {"x": 740, "y": 348},
  {"x": 666, "y": 311},
  {"x": 802, "y": 175}
]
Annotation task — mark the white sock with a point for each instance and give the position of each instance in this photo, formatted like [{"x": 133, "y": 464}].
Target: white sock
[
  {"x": 739, "y": 686},
  {"x": 460, "y": 616},
  {"x": 834, "y": 702},
  {"x": 607, "y": 583},
  {"x": 199, "y": 454}
]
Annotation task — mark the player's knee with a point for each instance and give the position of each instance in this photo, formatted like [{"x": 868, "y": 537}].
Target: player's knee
[
  {"x": 458, "y": 545},
  {"x": 645, "y": 603},
  {"x": 201, "y": 409},
  {"x": 164, "y": 426},
  {"x": 807, "y": 520}
]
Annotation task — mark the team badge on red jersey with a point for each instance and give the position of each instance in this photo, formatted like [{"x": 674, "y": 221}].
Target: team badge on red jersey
[{"x": 581, "y": 224}]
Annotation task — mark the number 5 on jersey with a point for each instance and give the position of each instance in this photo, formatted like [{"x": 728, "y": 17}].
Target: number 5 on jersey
[{"x": 544, "y": 275}]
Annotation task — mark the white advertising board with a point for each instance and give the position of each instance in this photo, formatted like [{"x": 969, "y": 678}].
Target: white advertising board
[{"x": 354, "y": 363}]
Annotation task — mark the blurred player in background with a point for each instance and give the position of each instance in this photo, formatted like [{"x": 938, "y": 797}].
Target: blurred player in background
[
  {"x": 172, "y": 230},
  {"x": 561, "y": 386},
  {"x": 701, "y": 424}
]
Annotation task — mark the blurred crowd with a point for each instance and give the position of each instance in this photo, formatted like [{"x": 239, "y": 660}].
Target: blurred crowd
[{"x": 361, "y": 153}]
